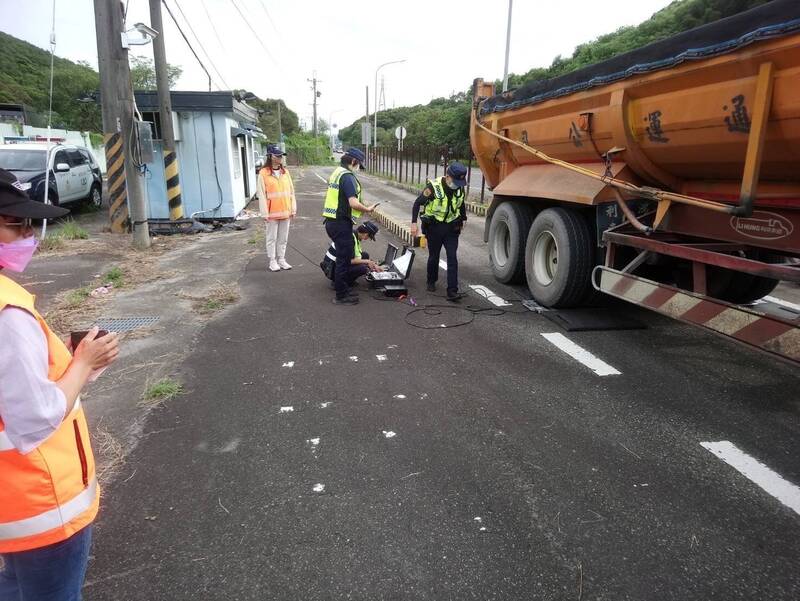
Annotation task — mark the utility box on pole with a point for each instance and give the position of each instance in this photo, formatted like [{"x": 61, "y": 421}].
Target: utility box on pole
[{"x": 125, "y": 187}]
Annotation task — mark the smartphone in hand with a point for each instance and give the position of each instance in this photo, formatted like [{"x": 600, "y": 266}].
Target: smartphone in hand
[{"x": 76, "y": 337}]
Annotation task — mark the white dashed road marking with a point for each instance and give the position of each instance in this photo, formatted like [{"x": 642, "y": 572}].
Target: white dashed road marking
[
  {"x": 287, "y": 409},
  {"x": 772, "y": 482},
  {"x": 389, "y": 434},
  {"x": 319, "y": 487},
  {"x": 353, "y": 358},
  {"x": 598, "y": 366},
  {"x": 288, "y": 364},
  {"x": 320, "y": 177},
  {"x": 380, "y": 357},
  {"x": 782, "y": 303},
  {"x": 443, "y": 264},
  {"x": 490, "y": 296}
]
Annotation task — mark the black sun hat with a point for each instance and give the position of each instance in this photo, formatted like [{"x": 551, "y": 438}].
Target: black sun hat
[{"x": 14, "y": 202}]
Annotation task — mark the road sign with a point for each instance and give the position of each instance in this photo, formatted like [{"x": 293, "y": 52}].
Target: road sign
[
  {"x": 366, "y": 133},
  {"x": 400, "y": 133}
]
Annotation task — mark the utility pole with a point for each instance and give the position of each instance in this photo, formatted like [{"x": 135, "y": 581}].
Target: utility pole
[
  {"x": 508, "y": 47},
  {"x": 280, "y": 128},
  {"x": 366, "y": 127},
  {"x": 125, "y": 186},
  {"x": 314, "y": 81},
  {"x": 171, "y": 172}
]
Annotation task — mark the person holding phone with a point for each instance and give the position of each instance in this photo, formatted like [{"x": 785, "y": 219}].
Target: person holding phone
[
  {"x": 48, "y": 488},
  {"x": 343, "y": 206}
]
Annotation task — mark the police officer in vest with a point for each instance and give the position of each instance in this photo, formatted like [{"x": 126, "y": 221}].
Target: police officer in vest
[
  {"x": 48, "y": 488},
  {"x": 343, "y": 206},
  {"x": 360, "y": 264},
  {"x": 443, "y": 216}
]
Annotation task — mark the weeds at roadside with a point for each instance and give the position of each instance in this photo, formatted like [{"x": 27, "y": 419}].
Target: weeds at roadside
[
  {"x": 110, "y": 454},
  {"x": 258, "y": 237},
  {"x": 78, "y": 296},
  {"x": 115, "y": 276},
  {"x": 159, "y": 392},
  {"x": 70, "y": 230},
  {"x": 220, "y": 296},
  {"x": 51, "y": 243}
]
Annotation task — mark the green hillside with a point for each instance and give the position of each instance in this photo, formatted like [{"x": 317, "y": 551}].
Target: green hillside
[
  {"x": 445, "y": 121},
  {"x": 25, "y": 79}
]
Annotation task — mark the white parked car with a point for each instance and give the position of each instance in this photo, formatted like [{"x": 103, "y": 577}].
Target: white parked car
[{"x": 73, "y": 172}]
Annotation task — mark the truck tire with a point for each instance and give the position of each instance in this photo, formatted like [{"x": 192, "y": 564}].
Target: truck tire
[
  {"x": 743, "y": 288},
  {"x": 508, "y": 232},
  {"x": 559, "y": 258}
]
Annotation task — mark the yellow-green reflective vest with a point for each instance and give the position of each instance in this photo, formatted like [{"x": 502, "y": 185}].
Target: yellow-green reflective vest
[
  {"x": 440, "y": 207},
  {"x": 332, "y": 197},
  {"x": 356, "y": 247}
]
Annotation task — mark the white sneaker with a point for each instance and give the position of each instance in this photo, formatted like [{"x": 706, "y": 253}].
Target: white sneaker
[
  {"x": 273, "y": 265},
  {"x": 284, "y": 264}
]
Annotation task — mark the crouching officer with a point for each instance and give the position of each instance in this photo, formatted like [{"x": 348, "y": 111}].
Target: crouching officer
[
  {"x": 443, "y": 217},
  {"x": 342, "y": 208},
  {"x": 360, "y": 264}
]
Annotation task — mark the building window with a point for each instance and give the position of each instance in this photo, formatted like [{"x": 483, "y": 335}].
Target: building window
[
  {"x": 153, "y": 117},
  {"x": 237, "y": 159}
]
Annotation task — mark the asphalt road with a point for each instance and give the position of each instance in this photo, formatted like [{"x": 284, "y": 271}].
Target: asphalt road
[{"x": 327, "y": 452}]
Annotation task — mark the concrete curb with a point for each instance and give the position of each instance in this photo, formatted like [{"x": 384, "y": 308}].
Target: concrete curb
[
  {"x": 473, "y": 207},
  {"x": 399, "y": 229}
]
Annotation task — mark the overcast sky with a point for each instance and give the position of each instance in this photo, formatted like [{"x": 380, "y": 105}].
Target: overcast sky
[{"x": 446, "y": 43}]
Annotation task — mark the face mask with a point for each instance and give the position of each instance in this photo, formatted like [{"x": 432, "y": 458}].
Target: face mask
[
  {"x": 452, "y": 186},
  {"x": 16, "y": 255}
]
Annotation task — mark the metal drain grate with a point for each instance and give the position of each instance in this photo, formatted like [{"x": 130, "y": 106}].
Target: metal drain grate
[{"x": 124, "y": 324}]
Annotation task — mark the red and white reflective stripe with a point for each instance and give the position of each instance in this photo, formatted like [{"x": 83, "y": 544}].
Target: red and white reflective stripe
[
  {"x": 5, "y": 441},
  {"x": 764, "y": 331},
  {"x": 52, "y": 518}
]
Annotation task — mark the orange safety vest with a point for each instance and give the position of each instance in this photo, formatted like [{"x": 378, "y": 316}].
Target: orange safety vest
[
  {"x": 51, "y": 493},
  {"x": 281, "y": 203}
]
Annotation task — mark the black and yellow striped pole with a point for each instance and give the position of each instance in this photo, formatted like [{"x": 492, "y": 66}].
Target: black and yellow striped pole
[
  {"x": 117, "y": 192},
  {"x": 173, "y": 184},
  {"x": 171, "y": 175}
]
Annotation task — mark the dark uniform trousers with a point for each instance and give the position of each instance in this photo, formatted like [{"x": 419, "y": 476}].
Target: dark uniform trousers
[
  {"x": 440, "y": 234},
  {"x": 340, "y": 231}
]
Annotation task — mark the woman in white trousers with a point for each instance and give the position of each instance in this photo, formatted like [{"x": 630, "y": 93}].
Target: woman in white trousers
[{"x": 278, "y": 205}]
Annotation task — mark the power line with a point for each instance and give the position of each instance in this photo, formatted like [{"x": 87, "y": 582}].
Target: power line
[
  {"x": 199, "y": 43},
  {"x": 213, "y": 28},
  {"x": 257, "y": 36},
  {"x": 266, "y": 12},
  {"x": 185, "y": 39}
]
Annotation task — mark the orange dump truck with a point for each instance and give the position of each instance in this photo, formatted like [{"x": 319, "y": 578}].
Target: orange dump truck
[{"x": 668, "y": 176}]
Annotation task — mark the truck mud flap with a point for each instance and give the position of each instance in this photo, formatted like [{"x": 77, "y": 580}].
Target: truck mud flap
[{"x": 765, "y": 332}]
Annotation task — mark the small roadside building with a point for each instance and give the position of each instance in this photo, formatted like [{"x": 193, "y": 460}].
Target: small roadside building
[{"x": 214, "y": 141}]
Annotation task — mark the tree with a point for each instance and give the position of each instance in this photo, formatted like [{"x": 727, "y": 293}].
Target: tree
[{"x": 143, "y": 73}]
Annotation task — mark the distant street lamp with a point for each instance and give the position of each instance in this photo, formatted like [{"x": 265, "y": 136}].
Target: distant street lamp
[
  {"x": 508, "y": 47},
  {"x": 375, "y": 133}
]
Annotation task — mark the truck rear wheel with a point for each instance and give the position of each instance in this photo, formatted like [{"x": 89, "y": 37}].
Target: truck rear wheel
[
  {"x": 559, "y": 258},
  {"x": 743, "y": 288},
  {"x": 508, "y": 232}
]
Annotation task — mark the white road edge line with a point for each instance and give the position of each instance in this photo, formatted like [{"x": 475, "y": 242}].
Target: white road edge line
[
  {"x": 772, "y": 482},
  {"x": 443, "y": 264},
  {"x": 320, "y": 177},
  {"x": 598, "y": 366},
  {"x": 782, "y": 303},
  {"x": 490, "y": 296}
]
